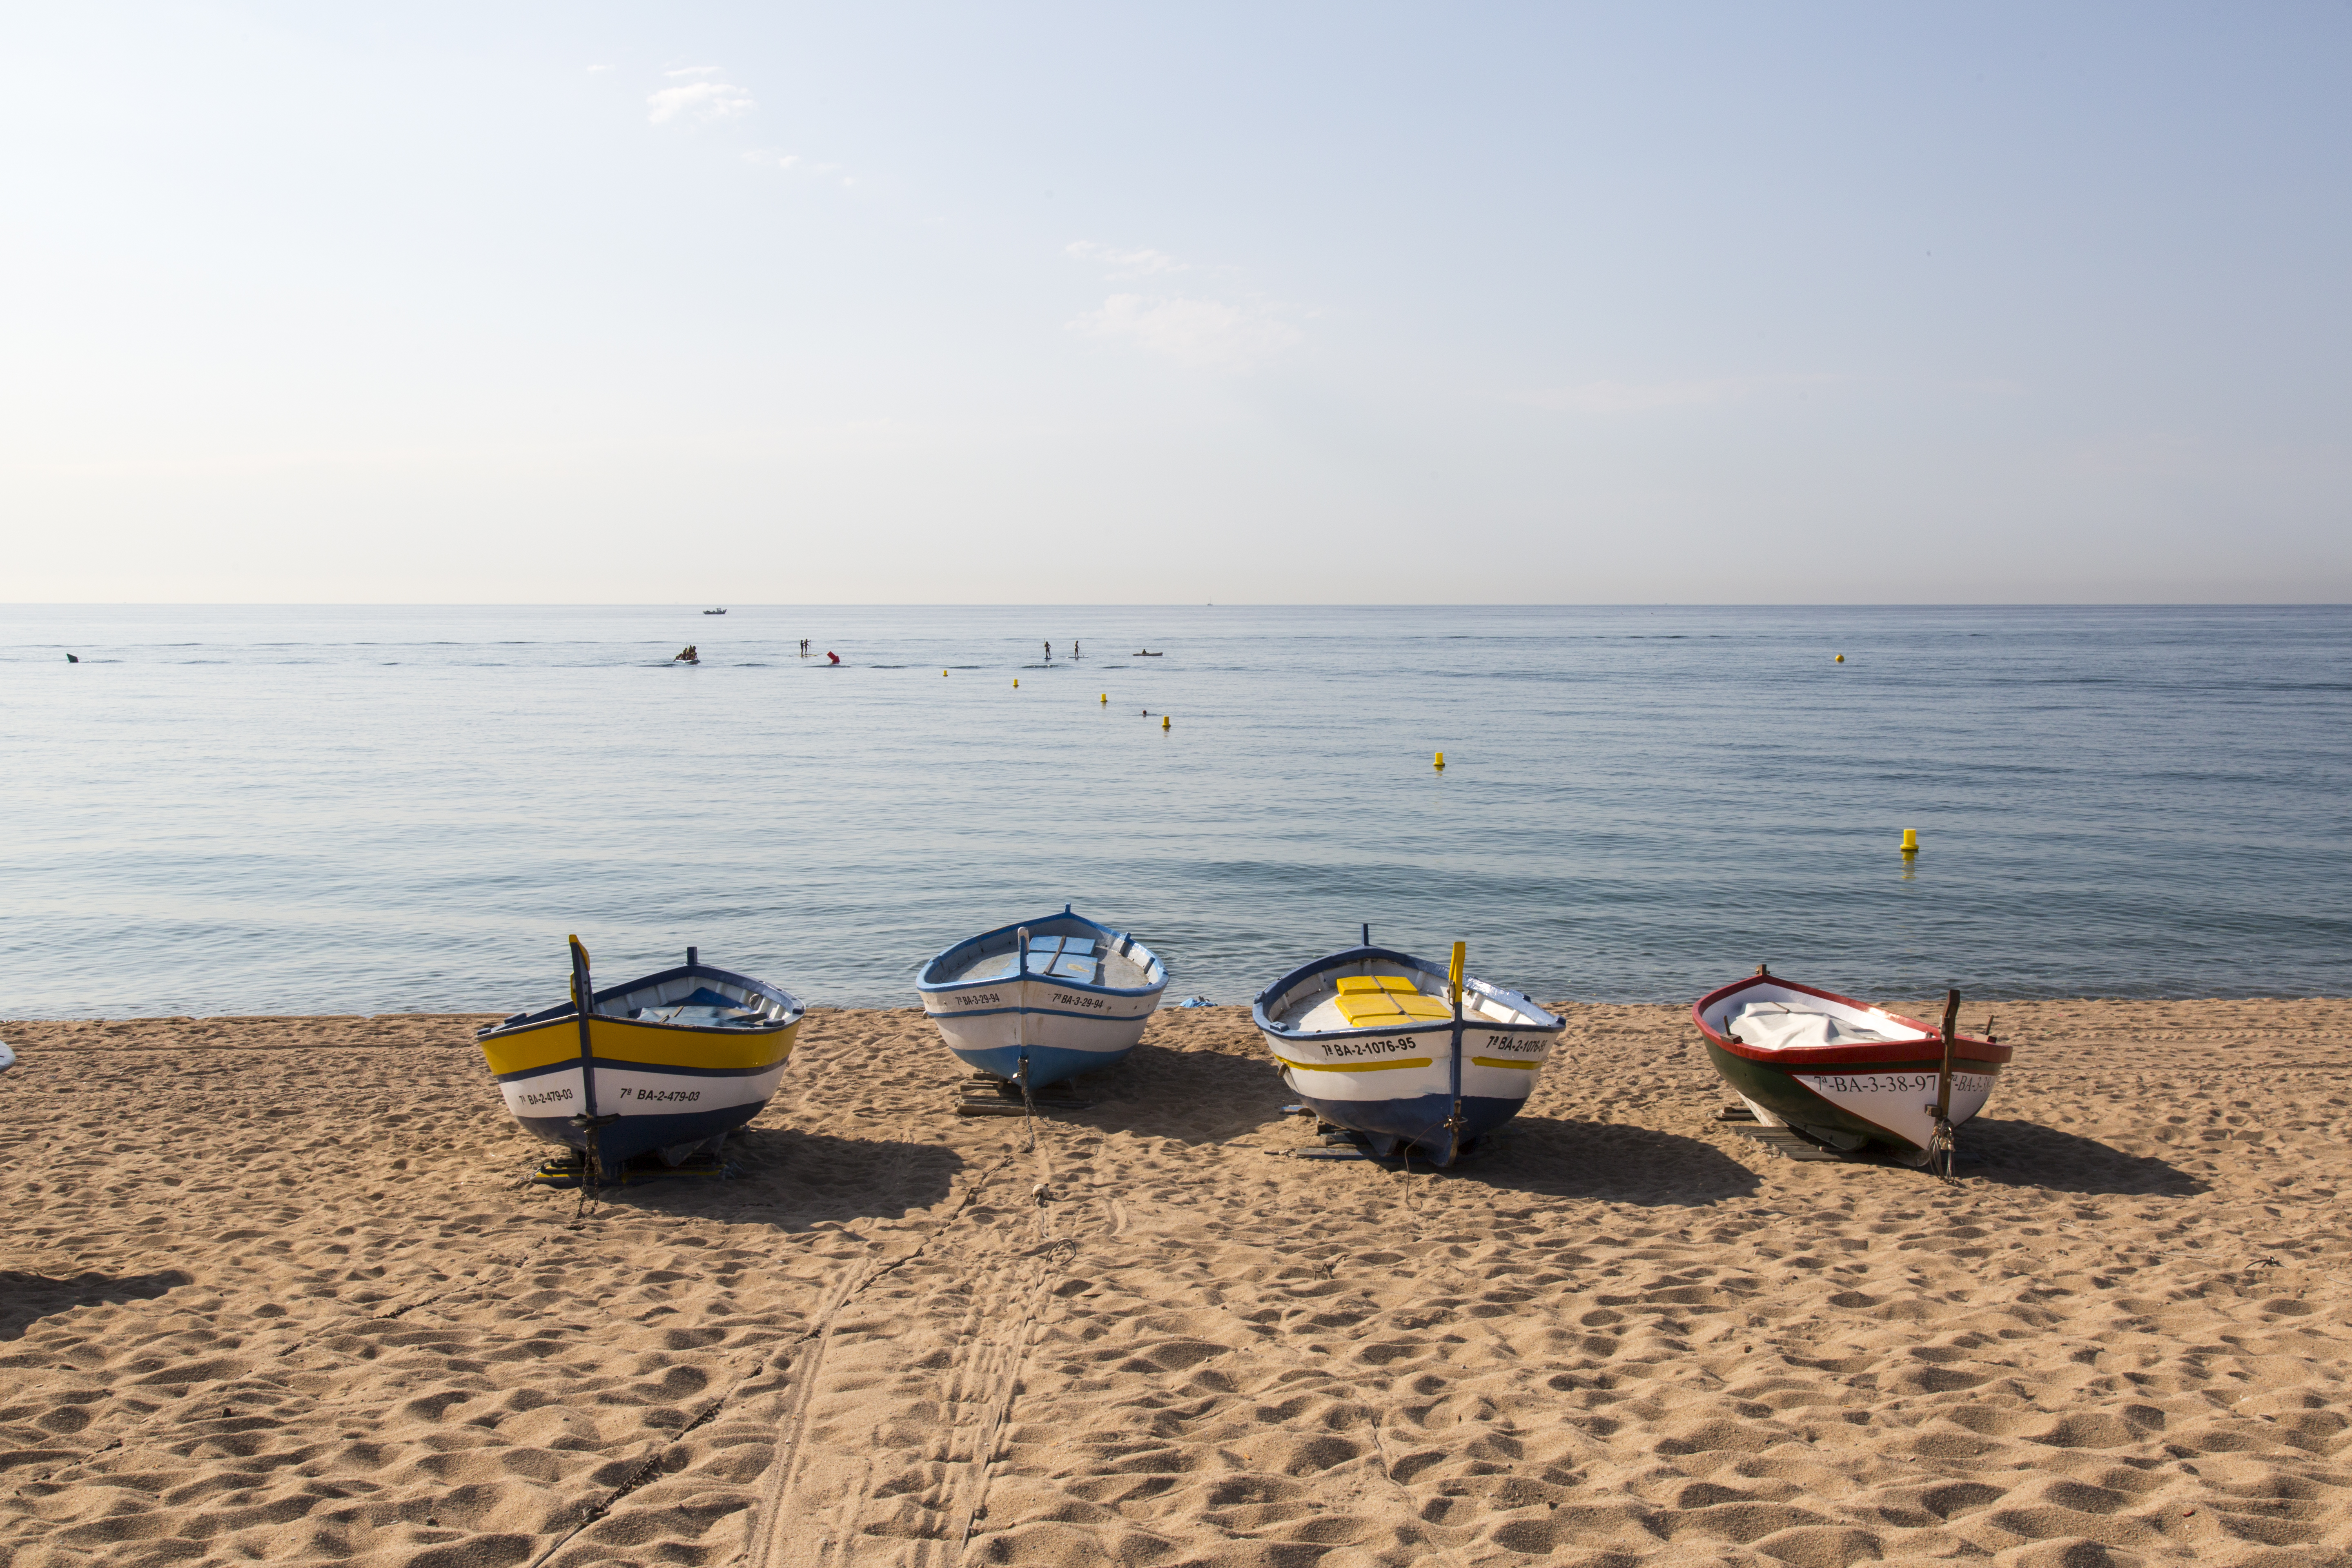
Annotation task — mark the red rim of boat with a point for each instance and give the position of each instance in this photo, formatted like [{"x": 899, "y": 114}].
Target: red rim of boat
[{"x": 1964, "y": 1047}]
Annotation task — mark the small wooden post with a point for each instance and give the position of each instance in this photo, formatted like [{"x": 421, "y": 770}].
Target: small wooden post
[{"x": 1944, "y": 1079}]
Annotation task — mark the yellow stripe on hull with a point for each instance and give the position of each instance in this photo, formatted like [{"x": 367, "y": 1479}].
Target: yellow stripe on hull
[
  {"x": 1357, "y": 1067},
  {"x": 1505, "y": 1062},
  {"x": 627, "y": 1040}
]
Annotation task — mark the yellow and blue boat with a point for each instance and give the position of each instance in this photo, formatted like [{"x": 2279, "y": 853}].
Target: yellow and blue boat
[
  {"x": 668, "y": 1064},
  {"x": 1408, "y": 1053}
]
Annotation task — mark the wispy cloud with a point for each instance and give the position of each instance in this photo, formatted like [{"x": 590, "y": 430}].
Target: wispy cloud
[
  {"x": 1126, "y": 263},
  {"x": 698, "y": 96},
  {"x": 1230, "y": 334},
  {"x": 1634, "y": 397},
  {"x": 793, "y": 163},
  {"x": 1206, "y": 334},
  {"x": 1647, "y": 396}
]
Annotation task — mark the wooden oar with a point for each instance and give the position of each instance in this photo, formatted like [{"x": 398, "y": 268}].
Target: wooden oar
[
  {"x": 1020, "y": 1029},
  {"x": 1943, "y": 1137},
  {"x": 583, "y": 1003},
  {"x": 1453, "y": 987}
]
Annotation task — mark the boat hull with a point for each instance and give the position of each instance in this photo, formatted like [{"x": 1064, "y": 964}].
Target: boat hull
[
  {"x": 1397, "y": 1086},
  {"x": 1876, "y": 1095},
  {"x": 644, "y": 1088},
  {"x": 1062, "y": 1030},
  {"x": 1057, "y": 1027}
]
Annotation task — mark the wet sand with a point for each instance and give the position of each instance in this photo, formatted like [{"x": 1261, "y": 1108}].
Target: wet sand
[{"x": 272, "y": 1290}]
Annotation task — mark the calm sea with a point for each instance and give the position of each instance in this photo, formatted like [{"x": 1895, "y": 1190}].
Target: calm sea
[{"x": 359, "y": 810}]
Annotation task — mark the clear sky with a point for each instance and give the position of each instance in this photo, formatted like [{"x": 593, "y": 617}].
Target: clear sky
[{"x": 1008, "y": 302}]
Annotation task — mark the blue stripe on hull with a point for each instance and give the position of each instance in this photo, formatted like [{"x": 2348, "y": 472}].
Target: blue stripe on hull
[
  {"x": 1418, "y": 1122},
  {"x": 634, "y": 1135},
  {"x": 1048, "y": 1064}
]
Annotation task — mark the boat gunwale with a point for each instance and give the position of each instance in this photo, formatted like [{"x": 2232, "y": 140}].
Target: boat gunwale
[
  {"x": 1266, "y": 1025},
  {"x": 565, "y": 1012},
  {"x": 928, "y": 987},
  {"x": 1971, "y": 1049}
]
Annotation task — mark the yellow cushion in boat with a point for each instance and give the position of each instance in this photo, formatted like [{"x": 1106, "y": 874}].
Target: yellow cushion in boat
[
  {"x": 1355, "y": 984},
  {"x": 1362, "y": 1011},
  {"x": 1419, "y": 1006}
]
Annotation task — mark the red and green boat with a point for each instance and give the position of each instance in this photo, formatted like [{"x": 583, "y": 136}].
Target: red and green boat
[{"x": 1846, "y": 1075}]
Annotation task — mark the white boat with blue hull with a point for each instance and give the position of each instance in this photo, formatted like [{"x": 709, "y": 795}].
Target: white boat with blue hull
[
  {"x": 1412, "y": 1056},
  {"x": 1044, "y": 1000}
]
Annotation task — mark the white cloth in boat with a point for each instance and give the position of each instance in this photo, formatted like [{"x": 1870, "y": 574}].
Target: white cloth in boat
[{"x": 1774, "y": 1027}]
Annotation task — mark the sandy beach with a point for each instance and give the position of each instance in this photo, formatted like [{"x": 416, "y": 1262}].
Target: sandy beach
[{"x": 273, "y": 1290}]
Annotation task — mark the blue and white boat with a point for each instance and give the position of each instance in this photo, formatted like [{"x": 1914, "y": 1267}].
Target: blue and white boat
[
  {"x": 1412, "y": 1056},
  {"x": 1044, "y": 1000}
]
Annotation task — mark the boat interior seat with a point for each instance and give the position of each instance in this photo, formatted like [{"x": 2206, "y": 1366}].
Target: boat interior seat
[
  {"x": 1365, "y": 1010},
  {"x": 1351, "y": 985},
  {"x": 1064, "y": 958},
  {"x": 1055, "y": 957}
]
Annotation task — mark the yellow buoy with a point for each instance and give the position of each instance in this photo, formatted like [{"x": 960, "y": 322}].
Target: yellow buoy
[
  {"x": 1106, "y": 699},
  {"x": 943, "y": 674},
  {"x": 1841, "y": 658},
  {"x": 1910, "y": 841},
  {"x": 1441, "y": 762},
  {"x": 1016, "y": 683},
  {"x": 1163, "y": 720}
]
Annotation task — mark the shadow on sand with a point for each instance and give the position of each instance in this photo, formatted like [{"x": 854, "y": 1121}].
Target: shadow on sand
[
  {"x": 1195, "y": 1096},
  {"x": 1210, "y": 1097},
  {"x": 798, "y": 1179},
  {"x": 2026, "y": 1154},
  {"x": 1606, "y": 1159},
  {"x": 26, "y": 1298}
]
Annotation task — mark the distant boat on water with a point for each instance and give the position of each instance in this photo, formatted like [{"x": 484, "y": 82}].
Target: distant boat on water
[{"x": 719, "y": 612}]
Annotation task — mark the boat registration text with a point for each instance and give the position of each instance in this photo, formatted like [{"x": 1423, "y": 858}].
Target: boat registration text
[
  {"x": 1894, "y": 1082},
  {"x": 1395, "y": 1046},
  {"x": 1533, "y": 1047}
]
